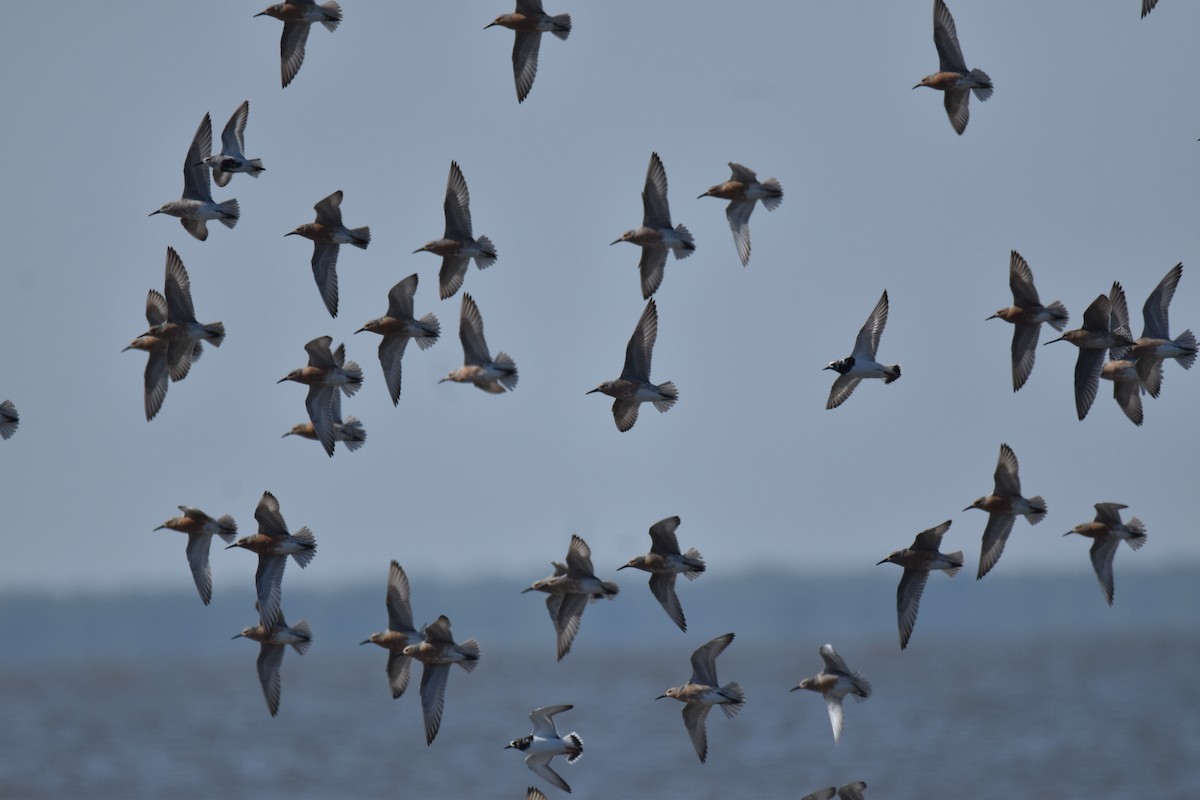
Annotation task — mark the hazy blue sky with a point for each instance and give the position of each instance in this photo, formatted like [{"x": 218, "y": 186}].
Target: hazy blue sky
[{"x": 1085, "y": 161}]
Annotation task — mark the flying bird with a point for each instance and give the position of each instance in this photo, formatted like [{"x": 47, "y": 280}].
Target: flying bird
[
  {"x": 634, "y": 387},
  {"x": 274, "y": 544},
  {"x": 327, "y": 234},
  {"x": 10, "y": 420},
  {"x": 570, "y": 588},
  {"x": 1096, "y": 336},
  {"x": 400, "y": 631},
  {"x": 349, "y": 431},
  {"x": 196, "y": 206},
  {"x": 327, "y": 372},
  {"x": 1106, "y": 532},
  {"x": 494, "y": 376},
  {"x": 834, "y": 682},
  {"x": 861, "y": 362},
  {"x": 273, "y": 640},
  {"x": 437, "y": 652},
  {"x": 1027, "y": 315},
  {"x": 743, "y": 190},
  {"x": 530, "y": 22},
  {"x": 918, "y": 560},
  {"x": 200, "y": 528},
  {"x": 544, "y": 744},
  {"x": 1003, "y": 505},
  {"x": 458, "y": 244},
  {"x": 703, "y": 692},
  {"x": 397, "y": 327},
  {"x": 656, "y": 235},
  {"x": 232, "y": 157},
  {"x": 664, "y": 562},
  {"x": 297, "y": 17},
  {"x": 1156, "y": 344},
  {"x": 952, "y": 76}
]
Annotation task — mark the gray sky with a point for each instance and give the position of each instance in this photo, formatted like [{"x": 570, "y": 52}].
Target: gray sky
[{"x": 1084, "y": 161}]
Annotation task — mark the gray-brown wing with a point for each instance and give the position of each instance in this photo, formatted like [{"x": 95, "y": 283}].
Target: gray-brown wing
[
  {"x": 319, "y": 404},
  {"x": 704, "y": 660},
  {"x": 930, "y": 540},
  {"x": 197, "y": 556},
  {"x": 1109, "y": 513},
  {"x": 291, "y": 49},
  {"x": 567, "y": 615},
  {"x": 1118, "y": 308},
  {"x": 196, "y": 184},
  {"x": 1098, "y": 314},
  {"x": 995, "y": 535},
  {"x": 662, "y": 586},
  {"x": 867, "y": 342},
  {"x": 1102, "y": 552},
  {"x": 399, "y": 670},
  {"x": 452, "y": 274},
  {"x": 438, "y": 631},
  {"x": 651, "y": 267},
  {"x": 433, "y": 697},
  {"x": 324, "y": 269},
  {"x": 694, "y": 715},
  {"x": 233, "y": 137},
  {"x": 530, "y": 7},
  {"x": 1020, "y": 280},
  {"x": 625, "y": 413},
  {"x": 457, "y": 206},
  {"x": 269, "y": 519},
  {"x": 1155, "y": 311},
  {"x": 268, "y": 586},
  {"x": 738, "y": 214},
  {"x": 177, "y": 289},
  {"x": 1129, "y": 397},
  {"x": 1088, "y": 365},
  {"x": 640, "y": 350},
  {"x": 821, "y": 794},
  {"x": 945, "y": 38},
  {"x": 391, "y": 355},
  {"x": 329, "y": 210},
  {"x": 1008, "y": 481},
  {"x": 655, "y": 211},
  {"x": 1024, "y": 351},
  {"x": 958, "y": 108},
  {"x": 662, "y": 537},
  {"x": 579, "y": 558},
  {"x": 743, "y": 174},
  {"x": 400, "y": 298},
  {"x": 470, "y": 331},
  {"x": 270, "y": 659},
  {"x": 319, "y": 352},
  {"x": 852, "y": 791},
  {"x": 156, "y": 307},
  {"x": 833, "y": 662},
  {"x": 155, "y": 380},
  {"x": 843, "y": 387},
  {"x": 908, "y": 601},
  {"x": 399, "y": 607},
  {"x": 525, "y": 61}
]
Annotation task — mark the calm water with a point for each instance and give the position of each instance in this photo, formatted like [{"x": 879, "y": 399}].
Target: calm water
[{"x": 964, "y": 712}]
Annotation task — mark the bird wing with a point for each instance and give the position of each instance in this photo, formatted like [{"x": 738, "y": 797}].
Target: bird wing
[
  {"x": 662, "y": 537},
  {"x": 742, "y": 174},
  {"x": 655, "y": 211},
  {"x": 868, "y": 336},
  {"x": 1024, "y": 351},
  {"x": 452, "y": 274},
  {"x": 1087, "y": 379},
  {"x": 1097, "y": 317},
  {"x": 1020, "y": 280},
  {"x": 329, "y": 210},
  {"x": 704, "y": 660},
  {"x": 155, "y": 380},
  {"x": 270, "y": 659},
  {"x": 525, "y": 61},
  {"x": 391, "y": 354},
  {"x": 579, "y": 558},
  {"x": 1118, "y": 308},
  {"x": 945, "y": 38},
  {"x": 177, "y": 289},
  {"x": 833, "y": 662},
  {"x": 1129, "y": 398},
  {"x": 1155, "y": 312},
  {"x": 1109, "y": 513},
  {"x": 662, "y": 586},
  {"x": 930, "y": 540},
  {"x": 319, "y": 403},
  {"x": 438, "y": 631},
  {"x": 836, "y": 718},
  {"x": 196, "y": 184},
  {"x": 319, "y": 354},
  {"x": 1008, "y": 481},
  {"x": 543, "y": 722},
  {"x": 694, "y": 715},
  {"x": 738, "y": 214},
  {"x": 457, "y": 206},
  {"x": 958, "y": 108},
  {"x": 1102, "y": 552},
  {"x": 433, "y": 697},
  {"x": 821, "y": 794},
  {"x": 399, "y": 669},
  {"x": 640, "y": 350},
  {"x": 843, "y": 387},
  {"x": 156, "y": 307},
  {"x": 625, "y": 413},
  {"x": 197, "y": 556},
  {"x": 470, "y": 331},
  {"x": 400, "y": 298},
  {"x": 995, "y": 535},
  {"x": 399, "y": 607},
  {"x": 324, "y": 269},
  {"x": 268, "y": 585},
  {"x": 540, "y": 764},
  {"x": 529, "y": 7},
  {"x": 291, "y": 49},
  {"x": 567, "y": 619},
  {"x": 651, "y": 266},
  {"x": 908, "y": 600},
  {"x": 852, "y": 791},
  {"x": 269, "y": 519}
]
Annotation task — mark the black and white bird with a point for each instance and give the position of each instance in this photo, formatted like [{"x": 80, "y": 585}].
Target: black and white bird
[
  {"x": 544, "y": 743},
  {"x": 861, "y": 362}
]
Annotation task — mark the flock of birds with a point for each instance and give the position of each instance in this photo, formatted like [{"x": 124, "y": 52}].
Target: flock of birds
[{"x": 174, "y": 342}]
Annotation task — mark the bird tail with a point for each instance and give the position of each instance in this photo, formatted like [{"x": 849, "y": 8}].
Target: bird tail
[
  {"x": 254, "y": 166},
  {"x": 488, "y": 256},
  {"x": 862, "y": 687},
  {"x": 774, "y": 194},
  {"x": 431, "y": 330},
  {"x": 574, "y": 747},
  {"x": 984, "y": 88},
  {"x": 695, "y": 564},
  {"x": 1058, "y": 315},
  {"x": 611, "y": 590},
  {"x": 504, "y": 363},
  {"x": 333, "y": 15},
  {"x": 670, "y": 395},
  {"x": 229, "y": 212},
  {"x": 362, "y": 237},
  {"x": 956, "y": 562},
  {"x": 892, "y": 373},
  {"x": 354, "y": 432},
  {"x": 1038, "y": 504},
  {"x": 562, "y": 26},
  {"x": 1187, "y": 341},
  {"x": 470, "y": 649},
  {"x": 305, "y": 630},
  {"x": 309, "y": 542},
  {"x": 354, "y": 378},
  {"x": 1137, "y": 533},
  {"x": 214, "y": 333},
  {"x": 689, "y": 244},
  {"x": 736, "y": 695},
  {"x": 227, "y": 529}
]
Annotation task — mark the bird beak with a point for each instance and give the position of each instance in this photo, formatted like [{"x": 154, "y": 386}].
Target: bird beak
[
  {"x": 882, "y": 562},
  {"x": 230, "y": 547},
  {"x": 490, "y": 24},
  {"x": 794, "y": 688},
  {"x": 591, "y": 391},
  {"x": 661, "y": 696},
  {"x": 281, "y": 380},
  {"x": 368, "y": 641},
  {"x": 239, "y": 635},
  {"x": 530, "y": 589},
  {"x": 360, "y": 330},
  {"x": 290, "y": 233},
  {"x": 968, "y": 508},
  {"x": 993, "y": 316},
  {"x": 917, "y": 86},
  {"x": 152, "y": 213},
  {"x": 827, "y": 366},
  {"x": 289, "y": 433},
  {"x": 610, "y": 244},
  {"x": 418, "y": 250},
  {"x": 1052, "y": 341},
  {"x": 160, "y": 527},
  {"x": 620, "y": 567}
]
